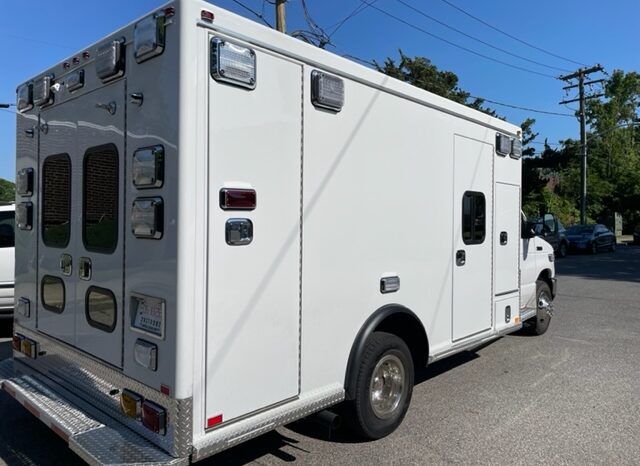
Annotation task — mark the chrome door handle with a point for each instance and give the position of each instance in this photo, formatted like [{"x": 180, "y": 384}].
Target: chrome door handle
[{"x": 111, "y": 107}]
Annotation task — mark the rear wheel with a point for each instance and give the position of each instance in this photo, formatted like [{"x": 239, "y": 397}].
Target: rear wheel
[
  {"x": 383, "y": 387},
  {"x": 540, "y": 323}
]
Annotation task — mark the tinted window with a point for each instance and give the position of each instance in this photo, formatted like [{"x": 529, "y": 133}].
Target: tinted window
[
  {"x": 101, "y": 309},
  {"x": 473, "y": 217},
  {"x": 100, "y": 199},
  {"x": 580, "y": 230},
  {"x": 53, "y": 294},
  {"x": 56, "y": 200},
  {"x": 7, "y": 225}
]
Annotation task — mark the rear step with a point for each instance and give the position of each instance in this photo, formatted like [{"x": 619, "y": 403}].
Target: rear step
[{"x": 97, "y": 443}]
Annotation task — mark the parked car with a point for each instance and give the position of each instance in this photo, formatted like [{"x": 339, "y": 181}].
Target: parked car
[
  {"x": 7, "y": 222},
  {"x": 636, "y": 235},
  {"x": 591, "y": 238},
  {"x": 553, "y": 232}
]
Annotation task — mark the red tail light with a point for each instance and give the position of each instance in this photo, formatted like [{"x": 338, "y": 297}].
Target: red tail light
[
  {"x": 213, "y": 421},
  {"x": 154, "y": 417},
  {"x": 17, "y": 342},
  {"x": 237, "y": 199}
]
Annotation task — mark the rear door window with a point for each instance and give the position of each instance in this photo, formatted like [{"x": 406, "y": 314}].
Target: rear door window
[
  {"x": 56, "y": 201},
  {"x": 100, "y": 199}
]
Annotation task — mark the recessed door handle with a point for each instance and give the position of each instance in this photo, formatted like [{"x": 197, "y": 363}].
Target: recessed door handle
[
  {"x": 503, "y": 238},
  {"x": 461, "y": 257},
  {"x": 539, "y": 248}
]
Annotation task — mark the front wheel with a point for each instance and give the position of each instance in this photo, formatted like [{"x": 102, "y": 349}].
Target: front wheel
[
  {"x": 544, "y": 305},
  {"x": 562, "y": 250},
  {"x": 383, "y": 387}
]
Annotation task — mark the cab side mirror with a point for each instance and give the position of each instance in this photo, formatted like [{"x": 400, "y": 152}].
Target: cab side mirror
[{"x": 528, "y": 230}]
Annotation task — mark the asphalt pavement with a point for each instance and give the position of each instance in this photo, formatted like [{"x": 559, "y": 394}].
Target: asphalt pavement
[{"x": 571, "y": 396}]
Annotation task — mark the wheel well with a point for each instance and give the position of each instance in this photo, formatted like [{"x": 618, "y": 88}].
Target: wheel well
[
  {"x": 409, "y": 329},
  {"x": 397, "y": 320},
  {"x": 545, "y": 276}
]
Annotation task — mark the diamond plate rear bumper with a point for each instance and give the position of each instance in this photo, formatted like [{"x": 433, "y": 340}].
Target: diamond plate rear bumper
[{"x": 94, "y": 436}]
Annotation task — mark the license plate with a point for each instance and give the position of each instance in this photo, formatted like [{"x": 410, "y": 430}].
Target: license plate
[{"x": 148, "y": 315}]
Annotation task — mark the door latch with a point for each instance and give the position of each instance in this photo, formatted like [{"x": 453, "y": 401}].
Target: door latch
[
  {"x": 85, "y": 268},
  {"x": 461, "y": 257}
]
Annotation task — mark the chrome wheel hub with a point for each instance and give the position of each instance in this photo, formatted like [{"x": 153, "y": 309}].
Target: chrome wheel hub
[
  {"x": 387, "y": 387},
  {"x": 545, "y": 304}
]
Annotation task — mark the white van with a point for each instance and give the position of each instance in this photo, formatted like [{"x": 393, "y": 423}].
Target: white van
[{"x": 7, "y": 224}]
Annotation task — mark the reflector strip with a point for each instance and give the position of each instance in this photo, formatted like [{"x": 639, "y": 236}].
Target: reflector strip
[
  {"x": 213, "y": 421},
  {"x": 32, "y": 409},
  {"x": 61, "y": 433}
]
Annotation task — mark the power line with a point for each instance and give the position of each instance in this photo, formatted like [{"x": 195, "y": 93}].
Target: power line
[
  {"x": 509, "y": 35},
  {"x": 546, "y": 112},
  {"x": 442, "y": 23},
  {"x": 251, "y": 10},
  {"x": 424, "y": 31},
  {"x": 359, "y": 9}
]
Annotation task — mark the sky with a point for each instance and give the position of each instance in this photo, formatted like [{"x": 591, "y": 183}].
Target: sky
[{"x": 36, "y": 34}]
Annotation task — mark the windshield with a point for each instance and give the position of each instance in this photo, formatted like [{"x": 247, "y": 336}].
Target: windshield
[
  {"x": 580, "y": 230},
  {"x": 7, "y": 223}
]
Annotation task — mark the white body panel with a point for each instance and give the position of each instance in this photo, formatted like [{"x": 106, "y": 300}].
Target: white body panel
[
  {"x": 254, "y": 290},
  {"x": 507, "y": 238}
]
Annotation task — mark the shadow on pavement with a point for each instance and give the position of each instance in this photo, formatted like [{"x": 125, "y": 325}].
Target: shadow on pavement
[{"x": 622, "y": 265}]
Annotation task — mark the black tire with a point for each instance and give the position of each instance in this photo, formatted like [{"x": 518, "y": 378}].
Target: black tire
[
  {"x": 540, "y": 323},
  {"x": 562, "y": 249},
  {"x": 613, "y": 246},
  {"x": 361, "y": 413},
  {"x": 594, "y": 248}
]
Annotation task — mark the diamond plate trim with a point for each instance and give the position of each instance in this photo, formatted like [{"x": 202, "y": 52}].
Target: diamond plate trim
[
  {"x": 94, "y": 382},
  {"x": 228, "y": 436},
  {"x": 72, "y": 419},
  {"x": 109, "y": 446}
]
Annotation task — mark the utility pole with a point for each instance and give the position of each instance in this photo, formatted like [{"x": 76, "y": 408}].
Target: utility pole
[
  {"x": 581, "y": 74},
  {"x": 281, "y": 24}
]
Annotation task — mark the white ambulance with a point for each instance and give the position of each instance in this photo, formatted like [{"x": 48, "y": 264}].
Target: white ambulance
[{"x": 221, "y": 229}]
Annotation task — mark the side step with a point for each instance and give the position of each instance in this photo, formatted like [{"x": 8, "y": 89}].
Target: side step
[{"x": 97, "y": 443}]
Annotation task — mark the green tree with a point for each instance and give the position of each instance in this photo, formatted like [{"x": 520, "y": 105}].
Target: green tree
[
  {"x": 7, "y": 191},
  {"x": 420, "y": 72}
]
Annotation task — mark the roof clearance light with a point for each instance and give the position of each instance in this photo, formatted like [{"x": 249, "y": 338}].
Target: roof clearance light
[
  {"x": 516, "y": 148},
  {"x": 110, "y": 60},
  {"x": 146, "y": 354},
  {"x": 75, "y": 80},
  {"x": 146, "y": 218},
  {"x": 24, "y": 97},
  {"x": 327, "y": 91},
  {"x": 42, "y": 95},
  {"x": 503, "y": 144},
  {"x": 131, "y": 404},
  {"x": 149, "y": 37},
  {"x": 148, "y": 167},
  {"x": 233, "y": 63},
  {"x": 154, "y": 417}
]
